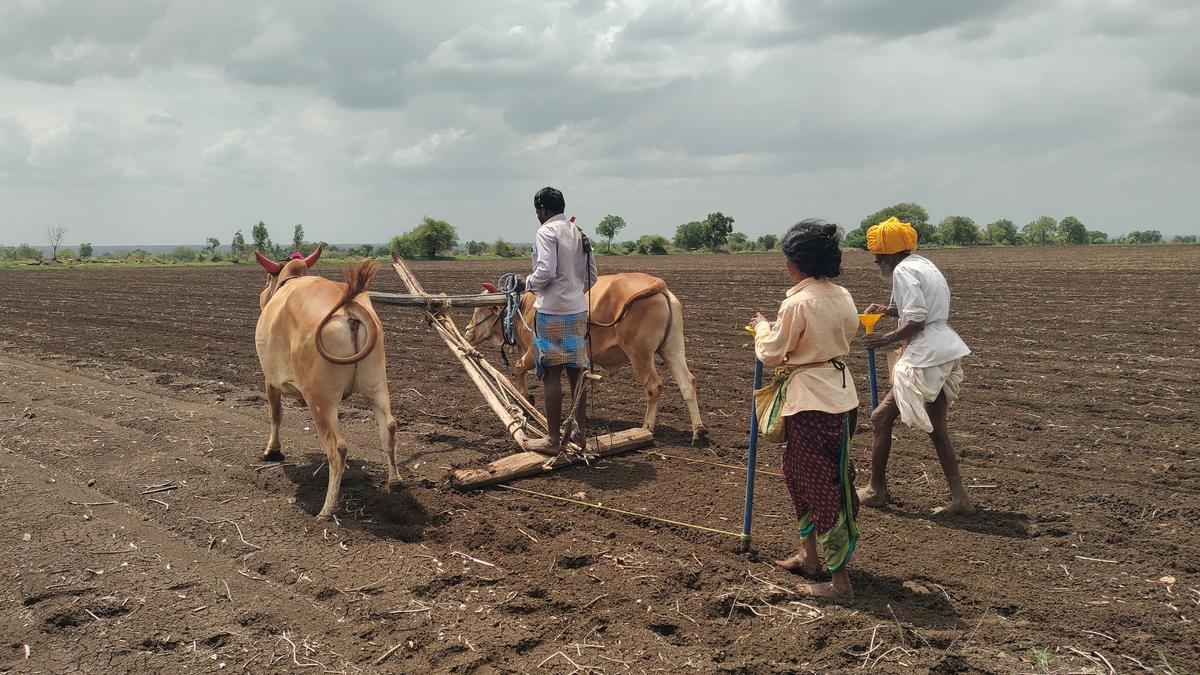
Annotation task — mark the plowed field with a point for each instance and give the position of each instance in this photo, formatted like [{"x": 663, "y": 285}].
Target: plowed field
[{"x": 142, "y": 532}]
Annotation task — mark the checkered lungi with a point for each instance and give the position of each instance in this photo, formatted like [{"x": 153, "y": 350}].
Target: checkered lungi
[{"x": 560, "y": 340}]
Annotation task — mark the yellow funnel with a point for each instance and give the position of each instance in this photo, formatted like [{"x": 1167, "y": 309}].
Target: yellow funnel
[{"x": 869, "y": 321}]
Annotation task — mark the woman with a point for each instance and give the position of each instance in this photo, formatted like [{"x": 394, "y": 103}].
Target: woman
[{"x": 808, "y": 344}]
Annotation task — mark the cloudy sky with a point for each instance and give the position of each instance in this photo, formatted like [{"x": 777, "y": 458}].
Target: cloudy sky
[{"x": 169, "y": 121}]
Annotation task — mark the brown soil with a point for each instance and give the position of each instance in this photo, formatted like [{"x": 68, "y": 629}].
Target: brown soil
[{"x": 1077, "y": 427}]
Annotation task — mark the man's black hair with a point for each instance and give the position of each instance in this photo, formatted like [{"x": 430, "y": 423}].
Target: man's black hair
[{"x": 550, "y": 199}]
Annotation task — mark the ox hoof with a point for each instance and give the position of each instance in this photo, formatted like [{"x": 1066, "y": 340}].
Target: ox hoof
[
  {"x": 699, "y": 437},
  {"x": 394, "y": 486},
  {"x": 272, "y": 455},
  {"x": 324, "y": 515}
]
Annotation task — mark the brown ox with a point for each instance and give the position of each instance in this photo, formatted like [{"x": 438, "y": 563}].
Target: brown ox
[
  {"x": 306, "y": 322},
  {"x": 650, "y": 325}
]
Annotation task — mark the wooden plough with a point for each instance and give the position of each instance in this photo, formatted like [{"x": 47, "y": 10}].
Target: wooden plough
[{"x": 521, "y": 419}]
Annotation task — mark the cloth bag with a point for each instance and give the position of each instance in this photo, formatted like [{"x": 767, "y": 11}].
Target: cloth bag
[{"x": 768, "y": 401}]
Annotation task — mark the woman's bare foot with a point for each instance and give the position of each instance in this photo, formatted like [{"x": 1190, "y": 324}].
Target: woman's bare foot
[
  {"x": 869, "y": 496},
  {"x": 544, "y": 446},
  {"x": 800, "y": 564},
  {"x": 958, "y": 507},
  {"x": 829, "y": 589}
]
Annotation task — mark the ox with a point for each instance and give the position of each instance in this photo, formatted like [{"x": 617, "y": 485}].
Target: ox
[
  {"x": 642, "y": 326},
  {"x": 306, "y": 322}
]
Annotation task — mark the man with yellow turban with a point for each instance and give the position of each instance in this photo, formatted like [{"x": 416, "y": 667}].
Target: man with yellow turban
[{"x": 927, "y": 376}]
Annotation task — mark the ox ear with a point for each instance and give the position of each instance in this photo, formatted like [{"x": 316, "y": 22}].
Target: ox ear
[
  {"x": 313, "y": 258},
  {"x": 490, "y": 287},
  {"x": 269, "y": 265}
]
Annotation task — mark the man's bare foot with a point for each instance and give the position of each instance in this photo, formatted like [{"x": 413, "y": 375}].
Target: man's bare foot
[
  {"x": 956, "y": 508},
  {"x": 800, "y": 565},
  {"x": 875, "y": 499},
  {"x": 544, "y": 446},
  {"x": 828, "y": 589}
]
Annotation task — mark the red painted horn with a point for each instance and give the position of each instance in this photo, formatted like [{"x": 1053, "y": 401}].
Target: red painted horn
[
  {"x": 313, "y": 258},
  {"x": 490, "y": 287},
  {"x": 269, "y": 265}
]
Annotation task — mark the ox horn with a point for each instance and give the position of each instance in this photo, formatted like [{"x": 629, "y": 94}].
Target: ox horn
[
  {"x": 313, "y": 258},
  {"x": 490, "y": 287},
  {"x": 273, "y": 268}
]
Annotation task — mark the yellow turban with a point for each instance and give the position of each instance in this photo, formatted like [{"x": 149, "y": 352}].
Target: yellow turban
[{"x": 891, "y": 236}]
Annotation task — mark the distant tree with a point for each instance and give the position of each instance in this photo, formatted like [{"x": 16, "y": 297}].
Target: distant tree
[
  {"x": 237, "y": 248},
  {"x": 855, "y": 239},
  {"x": 1097, "y": 237},
  {"x": 1072, "y": 231},
  {"x": 628, "y": 247},
  {"x": 210, "y": 248},
  {"x": 717, "y": 228},
  {"x": 767, "y": 242},
  {"x": 1143, "y": 237},
  {"x": 504, "y": 249},
  {"x": 27, "y": 252},
  {"x": 690, "y": 236},
  {"x": 1002, "y": 232},
  {"x": 477, "y": 247},
  {"x": 261, "y": 238},
  {"x": 738, "y": 241},
  {"x": 958, "y": 230},
  {"x": 404, "y": 245},
  {"x": 907, "y": 212},
  {"x": 54, "y": 237},
  {"x": 298, "y": 238},
  {"x": 68, "y": 254},
  {"x": 609, "y": 227},
  {"x": 85, "y": 250},
  {"x": 652, "y": 244},
  {"x": 1183, "y": 239},
  {"x": 1041, "y": 231},
  {"x": 184, "y": 254},
  {"x": 367, "y": 250},
  {"x": 434, "y": 237}
]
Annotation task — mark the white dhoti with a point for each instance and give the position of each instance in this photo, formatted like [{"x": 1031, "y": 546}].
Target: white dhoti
[{"x": 913, "y": 387}]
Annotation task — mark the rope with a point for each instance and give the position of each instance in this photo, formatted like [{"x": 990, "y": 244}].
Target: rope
[
  {"x": 623, "y": 512},
  {"x": 701, "y": 461},
  {"x": 507, "y": 284}
]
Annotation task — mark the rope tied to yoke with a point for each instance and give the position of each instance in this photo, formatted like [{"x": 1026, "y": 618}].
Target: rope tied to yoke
[{"x": 509, "y": 285}]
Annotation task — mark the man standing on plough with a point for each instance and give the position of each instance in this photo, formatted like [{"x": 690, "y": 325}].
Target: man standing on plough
[
  {"x": 563, "y": 271},
  {"x": 927, "y": 377}
]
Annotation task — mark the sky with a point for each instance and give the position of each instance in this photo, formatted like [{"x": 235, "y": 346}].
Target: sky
[{"x": 170, "y": 121}]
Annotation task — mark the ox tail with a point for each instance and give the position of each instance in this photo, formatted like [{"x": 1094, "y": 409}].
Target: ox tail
[
  {"x": 674, "y": 321},
  {"x": 358, "y": 278}
]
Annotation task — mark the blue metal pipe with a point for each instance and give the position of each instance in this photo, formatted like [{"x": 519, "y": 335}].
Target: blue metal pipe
[
  {"x": 751, "y": 460},
  {"x": 874, "y": 387}
]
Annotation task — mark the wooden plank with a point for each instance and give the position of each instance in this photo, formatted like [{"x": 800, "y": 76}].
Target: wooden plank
[
  {"x": 437, "y": 303},
  {"x": 523, "y": 464}
]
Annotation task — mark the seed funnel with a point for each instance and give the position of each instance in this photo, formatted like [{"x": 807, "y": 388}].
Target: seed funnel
[{"x": 868, "y": 321}]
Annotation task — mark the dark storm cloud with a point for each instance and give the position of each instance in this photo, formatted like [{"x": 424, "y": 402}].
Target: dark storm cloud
[{"x": 402, "y": 103}]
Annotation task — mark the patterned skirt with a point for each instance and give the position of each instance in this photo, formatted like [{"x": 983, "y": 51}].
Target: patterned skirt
[
  {"x": 820, "y": 480},
  {"x": 561, "y": 340}
]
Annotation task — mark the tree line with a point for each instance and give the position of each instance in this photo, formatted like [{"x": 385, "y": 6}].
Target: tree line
[
  {"x": 433, "y": 238},
  {"x": 963, "y": 231}
]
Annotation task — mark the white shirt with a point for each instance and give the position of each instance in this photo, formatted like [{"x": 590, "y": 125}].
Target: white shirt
[
  {"x": 921, "y": 293},
  {"x": 562, "y": 271}
]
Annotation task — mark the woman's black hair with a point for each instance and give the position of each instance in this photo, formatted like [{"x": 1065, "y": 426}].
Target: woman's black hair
[{"x": 813, "y": 247}]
